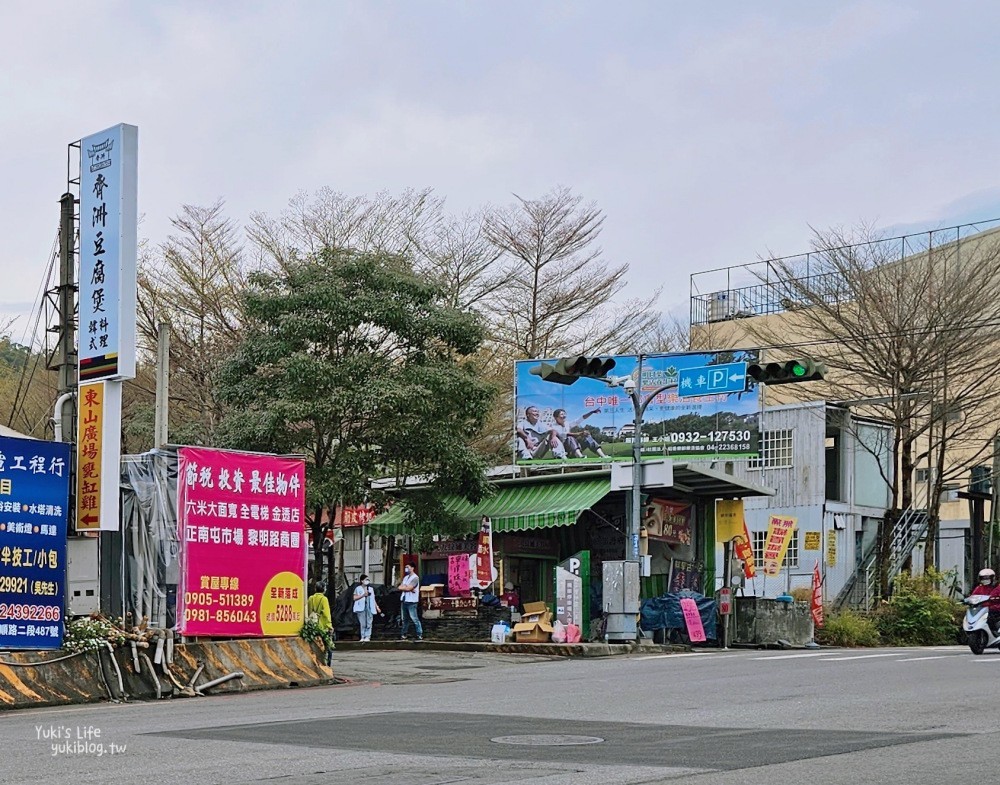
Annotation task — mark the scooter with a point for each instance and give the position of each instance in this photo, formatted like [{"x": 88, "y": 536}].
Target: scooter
[{"x": 976, "y": 625}]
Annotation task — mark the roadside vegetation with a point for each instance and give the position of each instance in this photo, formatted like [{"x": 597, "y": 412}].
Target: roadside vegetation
[{"x": 915, "y": 615}]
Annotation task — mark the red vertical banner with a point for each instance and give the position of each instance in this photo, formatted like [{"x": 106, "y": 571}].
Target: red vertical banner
[
  {"x": 744, "y": 552},
  {"x": 816, "y": 606},
  {"x": 458, "y": 575},
  {"x": 692, "y": 618},
  {"x": 484, "y": 554}
]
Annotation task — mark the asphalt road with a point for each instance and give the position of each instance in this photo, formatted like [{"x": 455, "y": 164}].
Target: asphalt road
[{"x": 422, "y": 718}]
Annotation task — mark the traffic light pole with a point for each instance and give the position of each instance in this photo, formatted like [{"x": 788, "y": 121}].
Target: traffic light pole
[{"x": 639, "y": 410}]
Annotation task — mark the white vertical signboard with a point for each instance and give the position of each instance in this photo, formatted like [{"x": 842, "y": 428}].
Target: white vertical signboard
[
  {"x": 108, "y": 228},
  {"x": 108, "y": 237}
]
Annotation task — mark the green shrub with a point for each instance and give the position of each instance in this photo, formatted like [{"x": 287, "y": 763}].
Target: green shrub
[
  {"x": 848, "y": 628},
  {"x": 917, "y": 614}
]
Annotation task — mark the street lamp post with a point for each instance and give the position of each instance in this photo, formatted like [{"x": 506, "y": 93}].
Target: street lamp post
[{"x": 633, "y": 388}]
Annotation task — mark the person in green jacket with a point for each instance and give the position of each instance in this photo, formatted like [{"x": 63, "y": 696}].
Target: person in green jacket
[{"x": 319, "y": 606}]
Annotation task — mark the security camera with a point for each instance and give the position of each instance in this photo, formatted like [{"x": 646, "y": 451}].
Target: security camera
[{"x": 629, "y": 385}]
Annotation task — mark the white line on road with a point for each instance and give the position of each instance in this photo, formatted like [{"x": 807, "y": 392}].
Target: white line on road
[
  {"x": 676, "y": 656},
  {"x": 936, "y": 657},
  {"x": 795, "y": 656},
  {"x": 860, "y": 657}
]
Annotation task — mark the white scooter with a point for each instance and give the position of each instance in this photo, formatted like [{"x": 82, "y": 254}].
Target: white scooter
[{"x": 976, "y": 626}]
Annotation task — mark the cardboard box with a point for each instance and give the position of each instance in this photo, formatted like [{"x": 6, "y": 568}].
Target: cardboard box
[
  {"x": 534, "y": 608},
  {"x": 432, "y": 590},
  {"x": 532, "y": 632},
  {"x": 537, "y": 612}
]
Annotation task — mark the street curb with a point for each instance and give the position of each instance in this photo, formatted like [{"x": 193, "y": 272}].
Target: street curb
[{"x": 547, "y": 649}]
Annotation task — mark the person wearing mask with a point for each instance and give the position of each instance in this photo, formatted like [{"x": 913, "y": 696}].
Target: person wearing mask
[
  {"x": 988, "y": 586},
  {"x": 365, "y": 607},
  {"x": 410, "y": 587}
]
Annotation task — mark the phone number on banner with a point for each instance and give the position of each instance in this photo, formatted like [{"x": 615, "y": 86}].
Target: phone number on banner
[{"x": 30, "y": 612}]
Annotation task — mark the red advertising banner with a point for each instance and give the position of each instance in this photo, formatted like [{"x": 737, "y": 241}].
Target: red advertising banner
[
  {"x": 458, "y": 575},
  {"x": 692, "y": 619},
  {"x": 816, "y": 605},
  {"x": 241, "y": 526},
  {"x": 484, "y": 554},
  {"x": 357, "y": 515},
  {"x": 744, "y": 552}
]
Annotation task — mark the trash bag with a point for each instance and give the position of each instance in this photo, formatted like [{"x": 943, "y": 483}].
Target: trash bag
[
  {"x": 573, "y": 634},
  {"x": 499, "y": 633},
  {"x": 558, "y": 632}
]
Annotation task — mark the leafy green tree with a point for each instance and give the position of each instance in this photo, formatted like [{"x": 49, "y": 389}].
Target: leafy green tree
[{"x": 353, "y": 360}]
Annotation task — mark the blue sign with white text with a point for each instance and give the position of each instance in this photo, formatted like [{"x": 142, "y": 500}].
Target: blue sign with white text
[
  {"x": 712, "y": 379},
  {"x": 34, "y": 509}
]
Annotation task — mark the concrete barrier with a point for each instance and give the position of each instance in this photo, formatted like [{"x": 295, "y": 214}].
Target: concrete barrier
[{"x": 58, "y": 678}]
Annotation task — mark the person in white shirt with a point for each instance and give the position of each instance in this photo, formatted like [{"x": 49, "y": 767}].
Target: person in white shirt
[
  {"x": 365, "y": 607},
  {"x": 410, "y": 587},
  {"x": 531, "y": 441},
  {"x": 571, "y": 440}
]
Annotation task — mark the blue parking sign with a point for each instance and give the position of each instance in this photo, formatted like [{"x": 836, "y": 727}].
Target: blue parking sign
[{"x": 34, "y": 509}]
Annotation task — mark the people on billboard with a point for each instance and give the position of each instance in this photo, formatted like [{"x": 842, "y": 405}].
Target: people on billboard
[
  {"x": 572, "y": 439},
  {"x": 532, "y": 439}
]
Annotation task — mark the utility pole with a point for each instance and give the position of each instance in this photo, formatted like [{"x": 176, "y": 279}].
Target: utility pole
[
  {"x": 65, "y": 357},
  {"x": 160, "y": 429}
]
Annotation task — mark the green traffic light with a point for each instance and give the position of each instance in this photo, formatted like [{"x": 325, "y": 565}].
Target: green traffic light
[{"x": 798, "y": 369}]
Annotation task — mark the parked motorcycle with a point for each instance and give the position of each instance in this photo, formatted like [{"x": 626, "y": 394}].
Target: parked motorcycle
[{"x": 976, "y": 625}]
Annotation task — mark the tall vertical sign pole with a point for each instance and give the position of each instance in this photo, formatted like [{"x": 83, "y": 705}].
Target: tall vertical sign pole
[{"x": 108, "y": 229}]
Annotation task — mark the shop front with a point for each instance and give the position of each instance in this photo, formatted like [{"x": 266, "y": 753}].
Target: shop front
[{"x": 537, "y": 522}]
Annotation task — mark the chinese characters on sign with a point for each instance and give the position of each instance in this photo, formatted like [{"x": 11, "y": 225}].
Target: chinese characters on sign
[
  {"x": 34, "y": 508},
  {"x": 668, "y": 521},
  {"x": 459, "y": 577},
  {"x": 246, "y": 512},
  {"x": 108, "y": 226},
  {"x": 589, "y": 422},
  {"x": 779, "y": 535},
  {"x": 358, "y": 515},
  {"x": 90, "y": 442}
]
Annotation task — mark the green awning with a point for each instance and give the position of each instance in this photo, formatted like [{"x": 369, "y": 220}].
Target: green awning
[{"x": 515, "y": 507}]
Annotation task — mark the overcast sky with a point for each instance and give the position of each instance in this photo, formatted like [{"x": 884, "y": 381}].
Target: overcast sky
[{"x": 708, "y": 133}]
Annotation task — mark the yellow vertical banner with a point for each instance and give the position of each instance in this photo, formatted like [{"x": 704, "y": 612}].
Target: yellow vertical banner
[
  {"x": 89, "y": 456},
  {"x": 831, "y": 548},
  {"x": 779, "y": 535},
  {"x": 728, "y": 519}
]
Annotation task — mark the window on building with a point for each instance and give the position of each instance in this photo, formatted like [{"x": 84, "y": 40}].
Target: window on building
[
  {"x": 775, "y": 451},
  {"x": 791, "y": 555}
]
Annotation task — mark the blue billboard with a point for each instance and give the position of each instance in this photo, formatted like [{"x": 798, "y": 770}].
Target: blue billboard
[
  {"x": 34, "y": 509},
  {"x": 591, "y": 421}
]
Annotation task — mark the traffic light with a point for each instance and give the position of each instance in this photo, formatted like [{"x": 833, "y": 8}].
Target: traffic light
[
  {"x": 787, "y": 372},
  {"x": 568, "y": 369}
]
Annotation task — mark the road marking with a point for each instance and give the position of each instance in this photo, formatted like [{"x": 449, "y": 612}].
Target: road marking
[
  {"x": 795, "y": 656},
  {"x": 936, "y": 657},
  {"x": 677, "y": 656},
  {"x": 861, "y": 657}
]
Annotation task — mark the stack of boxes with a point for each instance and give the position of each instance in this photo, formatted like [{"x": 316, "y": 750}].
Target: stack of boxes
[{"x": 535, "y": 625}]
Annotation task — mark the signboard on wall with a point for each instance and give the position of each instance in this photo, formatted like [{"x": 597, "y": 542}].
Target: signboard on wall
[
  {"x": 34, "y": 509},
  {"x": 590, "y": 422},
  {"x": 668, "y": 521},
  {"x": 243, "y": 546}
]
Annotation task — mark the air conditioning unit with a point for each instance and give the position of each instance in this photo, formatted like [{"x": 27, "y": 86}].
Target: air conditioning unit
[{"x": 722, "y": 306}]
